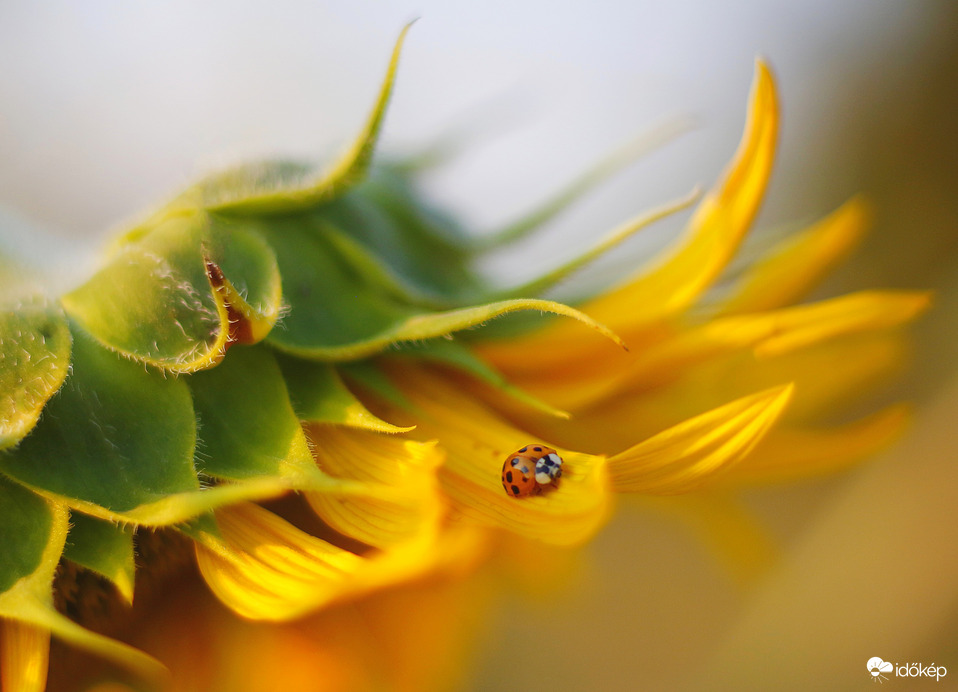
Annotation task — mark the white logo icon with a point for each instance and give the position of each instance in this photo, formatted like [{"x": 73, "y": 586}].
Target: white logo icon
[{"x": 876, "y": 667}]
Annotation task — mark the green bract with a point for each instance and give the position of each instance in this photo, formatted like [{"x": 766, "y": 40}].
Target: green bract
[
  {"x": 178, "y": 378},
  {"x": 34, "y": 359}
]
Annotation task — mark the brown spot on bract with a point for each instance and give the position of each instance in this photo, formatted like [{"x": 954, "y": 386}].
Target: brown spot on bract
[
  {"x": 241, "y": 331},
  {"x": 214, "y": 273}
]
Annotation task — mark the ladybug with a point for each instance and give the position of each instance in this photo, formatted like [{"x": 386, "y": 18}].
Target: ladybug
[
  {"x": 527, "y": 470},
  {"x": 519, "y": 476}
]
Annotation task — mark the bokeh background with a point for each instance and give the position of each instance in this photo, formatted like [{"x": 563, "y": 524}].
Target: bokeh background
[{"x": 106, "y": 108}]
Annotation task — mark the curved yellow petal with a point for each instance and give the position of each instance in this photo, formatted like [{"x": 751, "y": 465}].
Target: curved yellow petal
[
  {"x": 673, "y": 281},
  {"x": 794, "y": 266},
  {"x": 690, "y": 454},
  {"x": 769, "y": 334},
  {"x": 867, "y": 310},
  {"x": 827, "y": 377},
  {"x": 406, "y": 466},
  {"x": 264, "y": 568},
  {"x": 792, "y": 453},
  {"x": 24, "y": 656},
  {"x": 715, "y": 231},
  {"x": 477, "y": 443}
]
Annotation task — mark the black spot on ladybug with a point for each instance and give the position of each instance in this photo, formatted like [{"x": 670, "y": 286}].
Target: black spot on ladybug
[
  {"x": 515, "y": 461},
  {"x": 538, "y": 449},
  {"x": 509, "y": 477},
  {"x": 515, "y": 490},
  {"x": 523, "y": 449}
]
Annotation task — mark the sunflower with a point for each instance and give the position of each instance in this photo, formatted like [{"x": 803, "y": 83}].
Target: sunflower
[{"x": 277, "y": 372}]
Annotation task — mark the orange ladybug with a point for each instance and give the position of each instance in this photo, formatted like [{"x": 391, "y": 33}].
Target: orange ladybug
[
  {"x": 519, "y": 476},
  {"x": 526, "y": 471}
]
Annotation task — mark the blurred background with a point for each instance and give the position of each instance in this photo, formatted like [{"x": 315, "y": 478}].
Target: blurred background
[{"x": 107, "y": 108}]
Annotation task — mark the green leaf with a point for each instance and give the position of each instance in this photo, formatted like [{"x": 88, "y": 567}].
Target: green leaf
[
  {"x": 115, "y": 436},
  {"x": 375, "y": 272},
  {"x": 34, "y": 359},
  {"x": 117, "y": 443},
  {"x": 25, "y": 524},
  {"x": 248, "y": 427},
  {"x": 251, "y": 434},
  {"x": 169, "y": 299},
  {"x": 104, "y": 547},
  {"x": 421, "y": 246},
  {"x": 368, "y": 376},
  {"x": 319, "y": 396},
  {"x": 290, "y": 188},
  {"x": 338, "y": 313}
]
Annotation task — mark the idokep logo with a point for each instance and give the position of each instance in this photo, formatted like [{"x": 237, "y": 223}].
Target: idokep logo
[
  {"x": 881, "y": 670},
  {"x": 878, "y": 668}
]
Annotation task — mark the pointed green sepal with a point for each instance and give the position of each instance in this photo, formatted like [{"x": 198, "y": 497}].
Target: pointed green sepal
[
  {"x": 319, "y": 396},
  {"x": 290, "y": 188},
  {"x": 103, "y": 547}
]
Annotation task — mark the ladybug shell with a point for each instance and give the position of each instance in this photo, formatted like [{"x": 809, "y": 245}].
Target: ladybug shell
[
  {"x": 548, "y": 463},
  {"x": 519, "y": 476}
]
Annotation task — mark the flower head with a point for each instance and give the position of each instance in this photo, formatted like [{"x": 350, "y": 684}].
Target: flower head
[{"x": 273, "y": 330}]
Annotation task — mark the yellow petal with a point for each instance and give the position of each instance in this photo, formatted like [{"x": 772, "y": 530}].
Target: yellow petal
[
  {"x": 412, "y": 638},
  {"x": 688, "y": 455},
  {"x": 477, "y": 443},
  {"x": 829, "y": 376},
  {"x": 769, "y": 334},
  {"x": 673, "y": 281},
  {"x": 792, "y": 268},
  {"x": 567, "y": 515},
  {"x": 792, "y": 453},
  {"x": 867, "y": 310},
  {"x": 406, "y": 466},
  {"x": 715, "y": 231},
  {"x": 24, "y": 654},
  {"x": 264, "y": 568}
]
